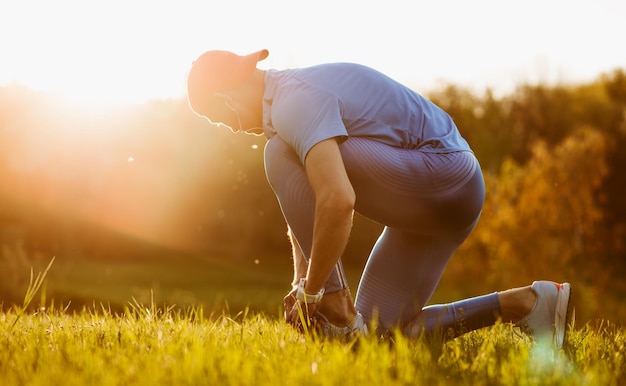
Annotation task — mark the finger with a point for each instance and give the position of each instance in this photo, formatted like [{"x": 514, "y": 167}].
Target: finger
[
  {"x": 288, "y": 303},
  {"x": 301, "y": 316}
]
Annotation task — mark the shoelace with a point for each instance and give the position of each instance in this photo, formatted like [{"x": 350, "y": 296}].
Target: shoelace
[{"x": 355, "y": 328}]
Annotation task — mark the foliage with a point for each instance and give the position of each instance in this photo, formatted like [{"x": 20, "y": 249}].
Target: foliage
[
  {"x": 148, "y": 345},
  {"x": 545, "y": 219},
  {"x": 153, "y": 179}
]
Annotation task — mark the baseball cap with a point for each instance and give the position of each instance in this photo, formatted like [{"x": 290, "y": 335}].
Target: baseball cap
[{"x": 218, "y": 71}]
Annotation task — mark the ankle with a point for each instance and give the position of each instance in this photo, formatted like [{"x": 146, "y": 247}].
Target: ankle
[
  {"x": 516, "y": 303},
  {"x": 338, "y": 307}
]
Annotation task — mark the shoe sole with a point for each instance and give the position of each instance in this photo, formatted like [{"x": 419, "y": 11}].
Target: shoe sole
[{"x": 562, "y": 314}]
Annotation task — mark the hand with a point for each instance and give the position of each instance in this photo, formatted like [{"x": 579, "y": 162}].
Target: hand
[
  {"x": 288, "y": 302},
  {"x": 299, "y": 314}
]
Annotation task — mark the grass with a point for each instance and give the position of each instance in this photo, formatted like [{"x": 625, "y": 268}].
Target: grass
[
  {"x": 166, "y": 346},
  {"x": 137, "y": 344},
  {"x": 213, "y": 283}
]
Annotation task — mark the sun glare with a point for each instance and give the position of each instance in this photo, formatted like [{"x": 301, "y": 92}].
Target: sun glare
[
  {"x": 105, "y": 53},
  {"x": 80, "y": 90}
]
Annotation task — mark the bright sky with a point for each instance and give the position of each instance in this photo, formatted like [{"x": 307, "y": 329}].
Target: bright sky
[{"x": 132, "y": 50}]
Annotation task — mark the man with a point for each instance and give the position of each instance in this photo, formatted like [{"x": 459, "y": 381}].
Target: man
[{"x": 343, "y": 138}]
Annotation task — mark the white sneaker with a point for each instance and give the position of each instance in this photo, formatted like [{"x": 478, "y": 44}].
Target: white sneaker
[
  {"x": 550, "y": 315},
  {"x": 355, "y": 328}
]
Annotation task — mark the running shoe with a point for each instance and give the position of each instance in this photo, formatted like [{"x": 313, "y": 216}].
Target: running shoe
[
  {"x": 549, "y": 318},
  {"x": 356, "y": 328}
]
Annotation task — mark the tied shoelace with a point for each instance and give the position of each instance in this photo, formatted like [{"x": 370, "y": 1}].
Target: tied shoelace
[{"x": 355, "y": 328}]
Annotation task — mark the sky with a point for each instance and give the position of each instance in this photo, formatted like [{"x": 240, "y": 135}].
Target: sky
[{"x": 130, "y": 51}]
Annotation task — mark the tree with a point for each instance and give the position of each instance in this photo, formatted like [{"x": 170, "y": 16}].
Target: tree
[{"x": 543, "y": 219}]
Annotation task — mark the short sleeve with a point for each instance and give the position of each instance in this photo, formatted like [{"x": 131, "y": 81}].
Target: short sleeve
[{"x": 304, "y": 116}]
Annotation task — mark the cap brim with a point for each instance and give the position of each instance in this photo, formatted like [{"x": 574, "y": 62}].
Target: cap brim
[{"x": 262, "y": 55}]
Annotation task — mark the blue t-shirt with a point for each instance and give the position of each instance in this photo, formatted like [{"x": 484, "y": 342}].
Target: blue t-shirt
[{"x": 308, "y": 105}]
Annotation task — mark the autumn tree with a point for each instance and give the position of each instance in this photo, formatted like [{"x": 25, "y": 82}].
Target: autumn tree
[{"x": 542, "y": 220}]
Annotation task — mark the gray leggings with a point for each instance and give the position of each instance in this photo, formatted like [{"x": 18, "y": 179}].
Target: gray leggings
[{"x": 428, "y": 202}]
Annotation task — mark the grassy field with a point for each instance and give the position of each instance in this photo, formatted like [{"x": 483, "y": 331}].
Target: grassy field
[
  {"x": 213, "y": 283},
  {"x": 147, "y": 345},
  {"x": 211, "y": 321}
]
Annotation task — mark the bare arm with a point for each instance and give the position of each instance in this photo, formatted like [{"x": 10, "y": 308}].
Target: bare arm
[{"x": 334, "y": 205}]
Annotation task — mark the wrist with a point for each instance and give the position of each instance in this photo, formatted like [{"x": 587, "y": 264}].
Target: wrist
[{"x": 305, "y": 297}]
